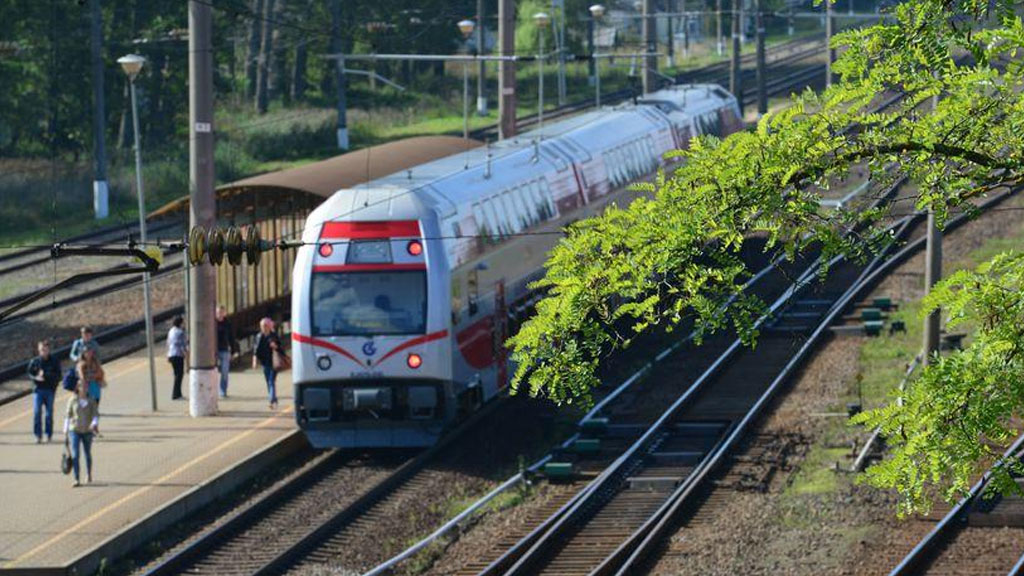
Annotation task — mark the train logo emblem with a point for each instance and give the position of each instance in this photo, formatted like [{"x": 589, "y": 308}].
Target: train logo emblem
[{"x": 369, "y": 348}]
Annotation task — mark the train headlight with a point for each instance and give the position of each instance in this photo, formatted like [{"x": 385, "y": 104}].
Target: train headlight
[
  {"x": 323, "y": 363},
  {"x": 326, "y": 249},
  {"x": 415, "y": 247},
  {"x": 414, "y": 361}
]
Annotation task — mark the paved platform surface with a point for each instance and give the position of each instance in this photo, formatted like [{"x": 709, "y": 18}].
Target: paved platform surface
[{"x": 143, "y": 460}]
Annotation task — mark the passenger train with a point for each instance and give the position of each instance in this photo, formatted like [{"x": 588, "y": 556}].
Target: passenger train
[{"x": 406, "y": 287}]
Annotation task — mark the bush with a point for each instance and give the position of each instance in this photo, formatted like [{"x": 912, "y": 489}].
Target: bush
[{"x": 287, "y": 134}]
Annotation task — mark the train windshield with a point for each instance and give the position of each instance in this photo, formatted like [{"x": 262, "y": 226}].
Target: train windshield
[{"x": 369, "y": 303}]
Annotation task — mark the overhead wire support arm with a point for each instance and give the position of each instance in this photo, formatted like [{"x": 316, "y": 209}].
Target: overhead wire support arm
[{"x": 149, "y": 264}]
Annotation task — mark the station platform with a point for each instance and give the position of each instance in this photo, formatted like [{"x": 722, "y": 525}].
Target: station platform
[{"x": 149, "y": 469}]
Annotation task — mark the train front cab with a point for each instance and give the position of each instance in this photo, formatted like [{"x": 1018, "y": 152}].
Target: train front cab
[{"x": 371, "y": 345}]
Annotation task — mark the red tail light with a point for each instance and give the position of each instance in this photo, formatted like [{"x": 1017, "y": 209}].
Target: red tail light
[
  {"x": 414, "y": 361},
  {"x": 326, "y": 250},
  {"x": 415, "y": 247}
]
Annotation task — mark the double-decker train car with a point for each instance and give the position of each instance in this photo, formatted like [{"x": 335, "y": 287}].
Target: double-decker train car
[{"x": 406, "y": 288}]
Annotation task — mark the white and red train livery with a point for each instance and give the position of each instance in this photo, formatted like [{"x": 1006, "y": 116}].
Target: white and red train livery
[{"x": 407, "y": 286}]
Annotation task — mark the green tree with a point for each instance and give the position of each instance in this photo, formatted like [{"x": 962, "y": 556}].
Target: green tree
[{"x": 676, "y": 255}]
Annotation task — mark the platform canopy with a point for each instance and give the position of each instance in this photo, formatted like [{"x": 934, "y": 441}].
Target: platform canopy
[{"x": 311, "y": 183}]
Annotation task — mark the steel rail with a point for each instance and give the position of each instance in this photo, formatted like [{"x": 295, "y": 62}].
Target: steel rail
[
  {"x": 517, "y": 478},
  {"x": 928, "y": 547},
  {"x": 516, "y": 559},
  {"x": 867, "y": 280}
]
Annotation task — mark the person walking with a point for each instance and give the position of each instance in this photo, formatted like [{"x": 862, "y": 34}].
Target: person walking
[
  {"x": 45, "y": 372},
  {"x": 267, "y": 343},
  {"x": 227, "y": 347},
  {"x": 90, "y": 373},
  {"x": 86, "y": 342},
  {"x": 81, "y": 422},
  {"x": 177, "y": 347}
]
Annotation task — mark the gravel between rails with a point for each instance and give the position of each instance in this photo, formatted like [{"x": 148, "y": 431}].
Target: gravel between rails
[{"x": 853, "y": 530}]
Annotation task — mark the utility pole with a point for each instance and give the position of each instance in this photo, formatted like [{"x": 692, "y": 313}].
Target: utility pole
[
  {"x": 735, "y": 78},
  {"x": 506, "y": 69},
  {"x": 671, "y": 7},
  {"x": 830, "y": 54},
  {"x": 339, "y": 74},
  {"x": 762, "y": 90},
  {"x": 650, "y": 47},
  {"x": 932, "y": 274},
  {"x": 558, "y": 7},
  {"x": 481, "y": 71},
  {"x": 100, "y": 190},
  {"x": 202, "y": 380},
  {"x": 718, "y": 26}
]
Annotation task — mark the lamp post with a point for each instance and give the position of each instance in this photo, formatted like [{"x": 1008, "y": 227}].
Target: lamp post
[
  {"x": 542, "y": 20},
  {"x": 466, "y": 27},
  {"x": 596, "y": 13},
  {"x": 132, "y": 65}
]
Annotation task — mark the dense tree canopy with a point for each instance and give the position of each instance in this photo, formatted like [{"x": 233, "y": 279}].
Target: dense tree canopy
[{"x": 676, "y": 255}]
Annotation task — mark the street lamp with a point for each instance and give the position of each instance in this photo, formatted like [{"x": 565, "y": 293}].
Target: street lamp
[
  {"x": 596, "y": 13},
  {"x": 132, "y": 65},
  {"x": 542, "y": 20},
  {"x": 466, "y": 27}
]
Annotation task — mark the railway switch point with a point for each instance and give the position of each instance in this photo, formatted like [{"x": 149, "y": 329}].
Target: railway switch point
[{"x": 150, "y": 469}]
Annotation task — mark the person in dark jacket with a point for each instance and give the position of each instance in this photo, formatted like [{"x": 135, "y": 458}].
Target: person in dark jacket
[
  {"x": 227, "y": 348},
  {"x": 45, "y": 372},
  {"x": 267, "y": 342}
]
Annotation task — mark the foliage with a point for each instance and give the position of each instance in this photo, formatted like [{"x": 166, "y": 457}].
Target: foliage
[
  {"x": 677, "y": 255},
  {"x": 960, "y": 411}
]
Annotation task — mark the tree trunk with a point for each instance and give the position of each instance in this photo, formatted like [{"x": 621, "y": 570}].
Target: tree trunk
[
  {"x": 266, "y": 49},
  {"x": 278, "y": 78},
  {"x": 252, "y": 55},
  {"x": 299, "y": 72}
]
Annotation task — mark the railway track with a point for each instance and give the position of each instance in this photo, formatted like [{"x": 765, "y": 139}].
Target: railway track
[
  {"x": 980, "y": 536},
  {"x": 718, "y": 73},
  {"x": 304, "y": 542},
  {"x": 16, "y": 260}
]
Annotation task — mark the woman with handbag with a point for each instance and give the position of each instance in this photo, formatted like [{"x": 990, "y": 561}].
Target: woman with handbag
[
  {"x": 81, "y": 422},
  {"x": 90, "y": 373},
  {"x": 269, "y": 354}
]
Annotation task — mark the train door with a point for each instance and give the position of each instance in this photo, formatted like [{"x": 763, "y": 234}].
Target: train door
[{"x": 500, "y": 335}]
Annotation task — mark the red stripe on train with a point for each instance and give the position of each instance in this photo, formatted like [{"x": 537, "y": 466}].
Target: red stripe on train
[
  {"x": 409, "y": 343},
  {"x": 324, "y": 344},
  {"x": 369, "y": 267},
  {"x": 389, "y": 229}
]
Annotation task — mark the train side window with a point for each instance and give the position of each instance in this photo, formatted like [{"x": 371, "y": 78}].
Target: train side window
[
  {"x": 511, "y": 214},
  {"x": 494, "y": 231},
  {"x": 536, "y": 202},
  {"x": 549, "y": 198},
  {"x": 515, "y": 195},
  {"x": 483, "y": 229},
  {"x": 494, "y": 211}
]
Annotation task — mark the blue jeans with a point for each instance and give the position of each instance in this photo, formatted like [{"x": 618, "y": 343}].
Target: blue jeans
[
  {"x": 43, "y": 399},
  {"x": 86, "y": 440},
  {"x": 271, "y": 376},
  {"x": 224, "y": 364}
]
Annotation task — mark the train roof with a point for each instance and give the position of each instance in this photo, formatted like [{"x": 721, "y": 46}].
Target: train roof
[{"x": 540, "y": 150}]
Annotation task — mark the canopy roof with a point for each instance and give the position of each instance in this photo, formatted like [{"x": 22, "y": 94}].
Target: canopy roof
[{"x": 322, "y": 179}]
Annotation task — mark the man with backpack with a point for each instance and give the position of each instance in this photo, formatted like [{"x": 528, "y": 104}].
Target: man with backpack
[{"x": 45, "y": 372}]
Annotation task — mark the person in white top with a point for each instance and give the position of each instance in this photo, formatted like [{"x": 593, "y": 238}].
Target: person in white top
[{"x": 177, "y": 347}]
